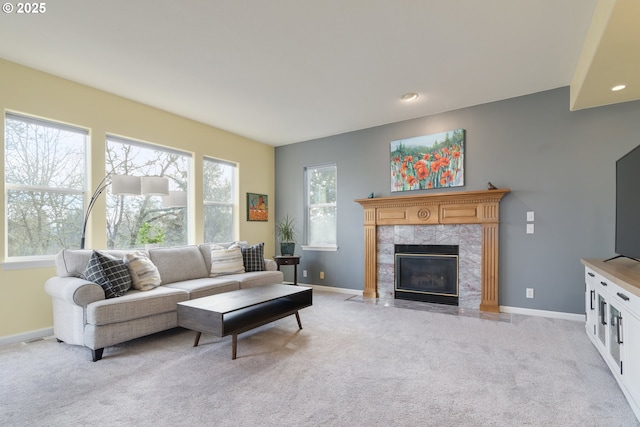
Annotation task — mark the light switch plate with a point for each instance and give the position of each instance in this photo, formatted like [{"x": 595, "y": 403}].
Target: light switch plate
[
  {"x": 529, "y": 228},
  {"x": 530, "y": 216}
]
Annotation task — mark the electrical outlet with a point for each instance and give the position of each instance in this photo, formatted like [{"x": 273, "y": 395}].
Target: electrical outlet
[
  {"x": 322, "y": 274},
  {"x": 304, "y": 273},
  {"x": 529, "y": 228},
  {"x": 530, "y": 216},
  {"x": 529, "y": 292}
]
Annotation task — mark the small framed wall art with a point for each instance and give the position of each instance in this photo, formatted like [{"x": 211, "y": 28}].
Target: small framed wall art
[
  {"x": 257, "y": 207},
  {"x": 429, "y": 161}
]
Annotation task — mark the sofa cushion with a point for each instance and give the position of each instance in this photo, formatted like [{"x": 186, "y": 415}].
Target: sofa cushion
[
  {"x": 258, "y": 278},
  {"x": 199, "y": 288},
  {"x": 110, "y": 273},
  {"x": 135, "y": 305},
  {"x": 144, "y": 274},
  {"x": 179, "y": 263},
  {"x": 226, "y": 261},
  {"x": 253, "y": 257}
]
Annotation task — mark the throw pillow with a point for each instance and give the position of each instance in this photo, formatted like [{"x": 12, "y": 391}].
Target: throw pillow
[
  {"x": 144, "y": 274},
  {"x": 253, "y": 257},
  {"x": 110, "y": 273},
  {"x": 226, "y": 261}
]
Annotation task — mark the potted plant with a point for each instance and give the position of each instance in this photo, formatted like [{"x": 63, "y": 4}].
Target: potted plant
[
  {"x": 150, "y": 235},
  {"x": 286, "y": 233}
]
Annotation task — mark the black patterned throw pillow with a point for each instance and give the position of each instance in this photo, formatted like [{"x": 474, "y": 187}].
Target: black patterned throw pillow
[
  {"x": 110, "y": 273},
  {"x": 253, "y": 257}
]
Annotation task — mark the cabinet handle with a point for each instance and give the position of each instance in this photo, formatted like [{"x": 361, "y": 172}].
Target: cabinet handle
[
  {"x": 593, "y": 298},
  {"x": 603, "y": 310},
  {"x": 603, "y": 283},
  {"x": 623, "y": 296},
  {"x": 619, "y": 329},
  {"x": 591, "y": 274}
]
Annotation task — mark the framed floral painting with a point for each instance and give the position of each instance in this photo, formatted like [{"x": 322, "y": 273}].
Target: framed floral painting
[
  {"x": 257, "y": 207},
  {"x": 429, "y": 161}
]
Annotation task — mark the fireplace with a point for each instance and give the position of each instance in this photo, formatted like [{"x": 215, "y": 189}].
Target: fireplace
[
  {"x": 427, "y": 273},
  {"x": 460, "y": 207}
]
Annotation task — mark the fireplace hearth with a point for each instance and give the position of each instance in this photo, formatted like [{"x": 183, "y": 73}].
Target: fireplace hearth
[{"x": 427, "y": 273}]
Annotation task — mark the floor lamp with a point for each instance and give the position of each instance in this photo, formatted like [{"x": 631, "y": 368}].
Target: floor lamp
[{"x": 126, "y": 185}]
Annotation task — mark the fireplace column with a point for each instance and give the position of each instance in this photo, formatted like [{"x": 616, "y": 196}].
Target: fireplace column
[
  {"x": 370, "y": 247},
  {"x": 490, "y": 268}
]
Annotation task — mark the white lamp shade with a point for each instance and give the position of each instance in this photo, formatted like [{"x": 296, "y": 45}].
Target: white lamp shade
[
  {"x": 155, "y": 186},
  {"x": 175, "y": 199},
  {"x": 125, "y": 184}
]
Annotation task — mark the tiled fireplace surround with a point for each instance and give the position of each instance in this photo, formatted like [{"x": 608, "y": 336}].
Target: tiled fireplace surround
[
  {"x": 467, "y": 236},
  {"x": 469, "y": 219}
]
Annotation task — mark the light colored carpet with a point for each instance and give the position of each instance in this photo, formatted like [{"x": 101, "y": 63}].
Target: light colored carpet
[{"x": 353, "y": 364}]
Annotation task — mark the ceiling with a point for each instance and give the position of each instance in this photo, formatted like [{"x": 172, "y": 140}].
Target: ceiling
[{"x": 284, "y": 71}]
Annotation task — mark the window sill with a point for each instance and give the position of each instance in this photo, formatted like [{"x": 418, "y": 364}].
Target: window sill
[
  {"x": 24, "y": 264},
  {"x": 328, "y": 248}
]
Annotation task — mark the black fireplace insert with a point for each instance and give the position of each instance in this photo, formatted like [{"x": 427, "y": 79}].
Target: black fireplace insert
[{"x": 427, "y": 273}]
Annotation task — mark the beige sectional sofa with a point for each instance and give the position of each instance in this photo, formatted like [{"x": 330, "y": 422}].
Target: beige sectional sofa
[{"x": 83, "y": 316}]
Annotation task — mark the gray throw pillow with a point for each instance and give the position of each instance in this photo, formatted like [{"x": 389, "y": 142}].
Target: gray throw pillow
[{"x": 110, "y": 273}]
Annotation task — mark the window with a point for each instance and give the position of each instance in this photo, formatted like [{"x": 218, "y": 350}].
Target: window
[
  {"x": 321, "y": 187},
  {"x": 163, "y": 218},
  {"x": 219, "y": 200},
  {"x": 44, "y": 180}
]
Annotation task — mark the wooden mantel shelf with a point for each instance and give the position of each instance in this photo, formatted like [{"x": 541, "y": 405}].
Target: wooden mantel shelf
[{"x": 461, "y": 207}]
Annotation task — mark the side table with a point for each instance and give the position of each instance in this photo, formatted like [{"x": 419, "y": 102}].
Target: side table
[{"x": 289, "y": 260}]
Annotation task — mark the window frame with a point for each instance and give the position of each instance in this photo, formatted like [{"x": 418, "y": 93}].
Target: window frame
[
  {"x": 44, "y": 260},
  {"x": 309, "y": 246},
  {"x": 117, "y": 139},
  {"x": 235, "y": 216}
]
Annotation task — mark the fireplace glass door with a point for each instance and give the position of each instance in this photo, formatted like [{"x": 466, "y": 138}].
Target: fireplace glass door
[{"x": 424, "y": 276}]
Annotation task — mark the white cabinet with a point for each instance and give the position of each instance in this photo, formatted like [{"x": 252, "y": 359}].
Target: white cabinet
[{"x": 612, "y": 307}]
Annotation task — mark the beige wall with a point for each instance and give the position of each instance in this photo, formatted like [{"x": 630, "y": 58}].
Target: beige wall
[{"x": 24, "y": 306}]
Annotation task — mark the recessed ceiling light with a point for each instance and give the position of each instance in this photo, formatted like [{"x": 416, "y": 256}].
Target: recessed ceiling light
[
  {"x": 618, "y": 87},
  {"x": 409, "y": 97}
]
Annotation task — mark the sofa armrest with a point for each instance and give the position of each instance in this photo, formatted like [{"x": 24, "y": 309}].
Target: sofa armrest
[
  {"x": 74, "y": 290},
  {"x": 270, "y": 265}
]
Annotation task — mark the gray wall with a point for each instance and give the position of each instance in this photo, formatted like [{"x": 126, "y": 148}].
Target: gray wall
[{"x": 558, "y": 163}]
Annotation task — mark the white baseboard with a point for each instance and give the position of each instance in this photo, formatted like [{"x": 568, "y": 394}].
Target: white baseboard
[
  {"x": 26, "y": 336},
  {"x": 334, "y": 289},
  {"x": 543, "y": 313}
]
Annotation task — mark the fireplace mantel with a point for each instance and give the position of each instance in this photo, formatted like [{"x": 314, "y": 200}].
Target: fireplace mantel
[{"x": 462, "y": 207}]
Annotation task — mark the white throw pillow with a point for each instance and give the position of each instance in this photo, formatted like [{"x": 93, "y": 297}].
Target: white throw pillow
[
  {"x": 226, "y": 261},
  {"x": 144, "y": 274}
]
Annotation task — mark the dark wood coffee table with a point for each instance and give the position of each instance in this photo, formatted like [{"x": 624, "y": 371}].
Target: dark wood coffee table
[{"x": 232, "y": 313}]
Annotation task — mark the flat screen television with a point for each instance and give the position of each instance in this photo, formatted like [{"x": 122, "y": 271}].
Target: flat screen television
[{"x": 628, "y": 205}]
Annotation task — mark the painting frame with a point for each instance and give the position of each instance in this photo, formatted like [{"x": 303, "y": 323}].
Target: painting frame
[
  {"x": 428, "y": 162},
  {"x": 257, "y": 207}
]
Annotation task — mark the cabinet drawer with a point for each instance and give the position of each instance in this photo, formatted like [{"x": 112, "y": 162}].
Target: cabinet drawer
[
  {"x": 602, "y": 284},
  {"x": 591, "y": 276},
  {"x": 287, "y": 261},
  {"x": 625, "y": 299}
]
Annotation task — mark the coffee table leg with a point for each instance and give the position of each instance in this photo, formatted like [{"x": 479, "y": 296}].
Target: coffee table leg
[
  {"x": 298, "y": 319},
  {"x": 195, "y": 343},
  {"x": 234, "y": 348}
]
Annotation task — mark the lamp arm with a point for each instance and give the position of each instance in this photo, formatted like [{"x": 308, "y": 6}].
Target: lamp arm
[{"x": 98, "y": 191}]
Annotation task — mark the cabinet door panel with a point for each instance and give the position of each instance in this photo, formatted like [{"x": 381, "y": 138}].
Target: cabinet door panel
[
  {"x": 615, "y": 337},
  {"x": 590, "y": 309},
  {"x": 602, "y": 319},
  {"x": 631, "y": 363}
]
